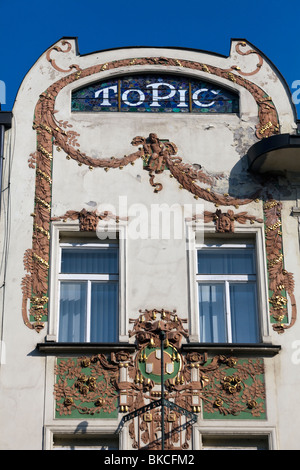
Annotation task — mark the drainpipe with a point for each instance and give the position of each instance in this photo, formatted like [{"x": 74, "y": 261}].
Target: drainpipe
[{"x": 5, "y": 123}]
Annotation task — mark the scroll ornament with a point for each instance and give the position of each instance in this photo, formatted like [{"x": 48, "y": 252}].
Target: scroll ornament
[{"x": 249, "y": 51}]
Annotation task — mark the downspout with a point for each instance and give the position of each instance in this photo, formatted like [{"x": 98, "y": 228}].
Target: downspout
[
  {"x": 2, "y": 133},
  {"x": 5, "y": 123}
]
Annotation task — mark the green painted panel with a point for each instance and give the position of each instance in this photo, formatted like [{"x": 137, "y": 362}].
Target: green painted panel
[{"x": 84, "y": 388}]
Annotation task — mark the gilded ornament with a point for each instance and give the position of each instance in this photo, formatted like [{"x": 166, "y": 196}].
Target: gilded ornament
[
  {"x": 68, "y": 401},
  {"x": 252, "y": 404},
  {"x": 218, "y": 402},
  {"x": 99, "y": 402},
  {"x": 86, "y": 362},
  {"x": 147, "y": 417}
]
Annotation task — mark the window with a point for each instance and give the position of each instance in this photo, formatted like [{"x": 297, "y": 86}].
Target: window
[
  {"x": 227, "y": 294},
  {"x": 155, "y": 93},
  {"x": 235, "y": 443},
  {"x": 85, "y": 442},
  {"x": 88, "y": 292}
]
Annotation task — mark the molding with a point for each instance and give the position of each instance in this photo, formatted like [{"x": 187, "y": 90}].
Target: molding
[
  {"x": 261, "y": 350},
  {"x": 50, "y": 347},
  {"x": 70, "y": 430},
  {"x": 234, "y": 430}
]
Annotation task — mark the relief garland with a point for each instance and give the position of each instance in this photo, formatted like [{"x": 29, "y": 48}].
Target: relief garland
[{"x": 225, "y": 221}]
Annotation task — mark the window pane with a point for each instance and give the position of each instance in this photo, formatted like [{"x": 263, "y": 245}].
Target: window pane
[
  {"x": 72, "y": 311},
  {"x": 104, "y": 312},
  {"x": 85, "y": 442},
  {"x": 212, "y": 313},
  {"x": 226, "y": 261},
  {"x": 243, "y": 313},
  {"x": 235, "y": 443},
  {"x": 90, "y": 260}
]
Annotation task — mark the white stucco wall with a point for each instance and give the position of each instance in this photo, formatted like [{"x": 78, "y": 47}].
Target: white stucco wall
[{"x": 156, "y": 270}]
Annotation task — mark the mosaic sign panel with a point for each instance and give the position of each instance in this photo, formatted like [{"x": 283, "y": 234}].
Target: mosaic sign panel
[{"x": 154, "y": 93}]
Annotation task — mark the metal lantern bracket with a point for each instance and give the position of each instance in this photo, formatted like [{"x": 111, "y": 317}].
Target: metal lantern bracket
[{"x": 162, "y": 402}]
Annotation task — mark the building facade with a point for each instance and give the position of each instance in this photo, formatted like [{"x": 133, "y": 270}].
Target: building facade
[{"x": 150, "y": 253}]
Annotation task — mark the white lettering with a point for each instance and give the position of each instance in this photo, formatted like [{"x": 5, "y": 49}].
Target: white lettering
[
  {"x": 196, "y": 95},
  {"x": 156, "y": 97},
  {"x": 110, "y": 91},
  {"x": 105, "y": 92},
  {"x": 161, "y": 226},
  {"x": 182, "y": 103},
  {"x": 169, "y": 459},
  {"x": 138, "y": 227},
  {"x": 296, "y": 354},
  {"x": 295, "y": 95},
  {"x": 125, "y": 96},
  {"x": 115, "y": 460},
  {"x": 2, "y": 92}
]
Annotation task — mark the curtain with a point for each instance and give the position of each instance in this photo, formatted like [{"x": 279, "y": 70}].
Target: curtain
[
  {"x": 243, "y": 313},
  {"x": 72, "y": 311},
  {"x": 86, "y": 305},
  {"x": 226, "y": 261},
  {"x": 104, "y": 312},
  {"x": 90, "y": 261},
  {"x": 212, "y": 313}
]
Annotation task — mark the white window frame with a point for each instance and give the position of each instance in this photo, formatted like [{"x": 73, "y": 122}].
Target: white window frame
[
  {"x": 88, "y": 278},
  {"x": 234, "y": 431},
  {"x": 195, "y": 236},
  {"x": 105, "y": 428},
  {"x": 59, "y": 229},
  {"x": 226, "y": 280}
]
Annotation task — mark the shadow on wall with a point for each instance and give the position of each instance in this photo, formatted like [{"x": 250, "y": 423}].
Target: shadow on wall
[{"x": 244, "y": 184}]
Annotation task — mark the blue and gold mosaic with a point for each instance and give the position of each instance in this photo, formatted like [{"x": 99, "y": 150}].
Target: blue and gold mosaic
[{"x": 155, "y": 93}]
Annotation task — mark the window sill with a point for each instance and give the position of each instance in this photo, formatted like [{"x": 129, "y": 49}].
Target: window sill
[
  {"x": 83, "y": 348},
  {"x": 265, "y": 350}
]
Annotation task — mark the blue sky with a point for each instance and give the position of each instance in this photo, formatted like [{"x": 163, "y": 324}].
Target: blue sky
[{"x": 27, "y": 29}]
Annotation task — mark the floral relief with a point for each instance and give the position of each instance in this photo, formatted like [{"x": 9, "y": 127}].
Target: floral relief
[
  {"x": 86, "y": 386},
  {"x": 237, "y": 389}
]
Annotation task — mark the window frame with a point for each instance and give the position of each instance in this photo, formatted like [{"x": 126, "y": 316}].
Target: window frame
[
  {"x": 196, "y": 233},
  {"x": 99, "y": 429},
  {"x": 69, "y": 233},
  {"x": 225, "y": 280},
  {"x": 88, "y": 279},
  {"x": 235, "y": 431}
]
